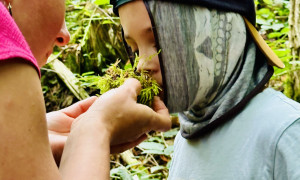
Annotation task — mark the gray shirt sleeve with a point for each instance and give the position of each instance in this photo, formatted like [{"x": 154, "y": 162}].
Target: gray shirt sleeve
[{"x": 287, "y": 154}]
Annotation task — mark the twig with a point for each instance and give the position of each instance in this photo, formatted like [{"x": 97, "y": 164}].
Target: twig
[
  {"x": 163, "y": 139},
  {"x": 127, "y": 156}
]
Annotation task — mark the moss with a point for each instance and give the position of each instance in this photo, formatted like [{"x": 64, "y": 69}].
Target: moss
[
  {"x": 288, "y": 87},
  {"x": 115, "y": 77}
]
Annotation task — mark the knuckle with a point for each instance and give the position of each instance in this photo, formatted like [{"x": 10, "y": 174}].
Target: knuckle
[{"x": 135, "y": 82}]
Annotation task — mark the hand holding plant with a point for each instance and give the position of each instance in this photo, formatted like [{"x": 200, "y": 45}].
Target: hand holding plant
[{"x": 125, "y": 120}]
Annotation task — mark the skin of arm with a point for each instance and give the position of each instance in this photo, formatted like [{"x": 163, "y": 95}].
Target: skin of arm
[
  {"x": 59, "y": 125},
  {"x": 114, "y": 119},
  {"x": 25, "y": 151}
]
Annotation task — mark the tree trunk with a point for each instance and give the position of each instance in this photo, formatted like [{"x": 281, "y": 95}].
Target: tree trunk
[{"x": 294, "y": 38}]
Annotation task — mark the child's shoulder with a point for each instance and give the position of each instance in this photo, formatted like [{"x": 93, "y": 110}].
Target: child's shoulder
[
  {"x": 273, "y": 103},
  {"x": 282, "y": 100},
  {"x": 270, "y": 112}
]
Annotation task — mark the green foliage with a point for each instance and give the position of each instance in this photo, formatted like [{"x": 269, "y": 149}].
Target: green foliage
[
  {"x": 272, "y": 21},
  {"x": 154, "y": 156},
  {"x": 115, "y": 77},
  {"x": 96, "y": 40},
  {"x": 56, "y": 93},
  {"x": 95, "y": 44},
  {"x": 101, "y": 2}
]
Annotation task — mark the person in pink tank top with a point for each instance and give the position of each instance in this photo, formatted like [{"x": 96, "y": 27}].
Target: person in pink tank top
[{"x": 80, "y": 137}]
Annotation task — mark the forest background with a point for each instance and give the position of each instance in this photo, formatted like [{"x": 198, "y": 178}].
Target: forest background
[{"x": 72, "y": 71}]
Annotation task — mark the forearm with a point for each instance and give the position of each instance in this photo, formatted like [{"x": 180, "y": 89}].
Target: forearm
[
  {"x": 86, "y": 156},
  {"x": 109, "y": 122},
  {"x": 59, "y": 125}
]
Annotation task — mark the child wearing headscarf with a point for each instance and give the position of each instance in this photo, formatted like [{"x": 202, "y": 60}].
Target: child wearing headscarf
[{"x": 214, "y": 70}]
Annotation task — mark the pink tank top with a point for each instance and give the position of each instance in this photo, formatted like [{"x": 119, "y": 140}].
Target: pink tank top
[{"x": 12, "y": 42}]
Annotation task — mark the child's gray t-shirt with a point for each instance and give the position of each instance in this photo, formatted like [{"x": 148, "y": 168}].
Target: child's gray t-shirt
[{"x": 262, "y": 142}]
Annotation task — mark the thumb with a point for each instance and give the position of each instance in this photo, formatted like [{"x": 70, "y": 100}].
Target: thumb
[
  {"x": 162, "y": 116},
  {"x": 159, "y": 117},
  {"x": 159, "y": 106},
  {"x": 132, "y": 86},
  {"x": 80, "y": 107}
]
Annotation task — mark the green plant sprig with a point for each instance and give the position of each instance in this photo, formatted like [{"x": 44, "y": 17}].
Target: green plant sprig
[{"x": 115, "y": 77}]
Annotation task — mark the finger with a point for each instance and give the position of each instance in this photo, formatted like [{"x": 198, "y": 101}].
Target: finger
[
  {"x": 57, "y": 143},
  {"x": 161, "y": 118},
  {"x": 57, "y": 139},
  {"x": 132, "y": 86},
  {"x": 80, "y": 107},
  {"x": 162, "y": 123},
  {"x": 59, "y": 122},
  {"x": 123, "y": 147},
  {"x": 66, "y": 134},
  {"x": 157, "y": 121},
  {"x": 159, "y": 106}
]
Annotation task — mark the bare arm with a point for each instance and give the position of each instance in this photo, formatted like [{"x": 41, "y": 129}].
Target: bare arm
[
  {"x": 114, "y": 119},
  {"x": 25, "y": 151},
  {"x": 86, "y": 155},
  {"x": 59, "y": 125}
]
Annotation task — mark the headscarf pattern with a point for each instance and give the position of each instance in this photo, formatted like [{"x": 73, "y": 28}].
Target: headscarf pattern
[{"x": 209, "y": 65}]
